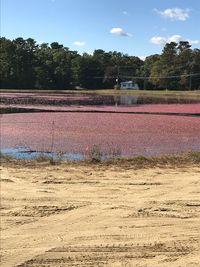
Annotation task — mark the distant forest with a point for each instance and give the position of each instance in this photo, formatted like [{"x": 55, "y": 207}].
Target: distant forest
[{"x": 24, "y": 64}]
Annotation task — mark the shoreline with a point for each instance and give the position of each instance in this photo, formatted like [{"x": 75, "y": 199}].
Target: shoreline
[
  {"x": 160, "y": 93},
  {"x": 167, "y": 161}
]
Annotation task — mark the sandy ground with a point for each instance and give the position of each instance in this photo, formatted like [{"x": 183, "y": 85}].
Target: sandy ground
[{"x": 72, "y": 215}]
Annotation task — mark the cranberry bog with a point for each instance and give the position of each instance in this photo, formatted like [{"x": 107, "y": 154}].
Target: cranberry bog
[{"x": 76, "y": 126}]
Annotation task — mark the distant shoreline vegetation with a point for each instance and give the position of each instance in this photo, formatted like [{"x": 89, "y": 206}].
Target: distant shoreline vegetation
[{"x": 25, "y": 64}]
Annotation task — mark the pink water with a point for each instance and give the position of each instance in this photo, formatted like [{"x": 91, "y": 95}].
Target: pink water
[
  {"x": 132, "y": 134},
  {"x": 147, "y": 108}
]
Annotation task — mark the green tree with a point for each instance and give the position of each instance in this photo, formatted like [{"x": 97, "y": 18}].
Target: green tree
[
  {"x": 164, "y": 69},
  {"x": 25, "y": 62},
  {"x": 184, "y": 64},
  {"x": 7, "y": 63},
  {"x": 87, "y": 71},
  {"x": 145, "y": 72},
  {"x": 195, "y": 69}
]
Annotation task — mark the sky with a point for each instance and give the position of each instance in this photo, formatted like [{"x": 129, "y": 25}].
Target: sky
[{"x": 136, "y": 27}]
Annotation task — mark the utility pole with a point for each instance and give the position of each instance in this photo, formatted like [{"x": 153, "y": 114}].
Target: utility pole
[{"x": 118, "y": 73}]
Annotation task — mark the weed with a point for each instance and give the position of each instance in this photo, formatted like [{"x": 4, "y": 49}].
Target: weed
[
  {"x": 42, "y": 157},
  {"x": 95, "y": 154}
]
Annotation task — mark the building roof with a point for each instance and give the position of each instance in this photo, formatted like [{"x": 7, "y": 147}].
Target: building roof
[{"x": 127, "y": 82}]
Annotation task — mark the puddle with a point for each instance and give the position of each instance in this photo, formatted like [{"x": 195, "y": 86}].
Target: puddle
[
  {"x": 25, "y": 153},
  {"x": 28, "y": 154}
]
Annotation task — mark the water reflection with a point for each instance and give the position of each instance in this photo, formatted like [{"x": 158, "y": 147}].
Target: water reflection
[{"x": 127, "y": 100}]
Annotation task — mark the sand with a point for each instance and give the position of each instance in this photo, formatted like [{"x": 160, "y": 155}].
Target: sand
[{"x": 90, "y": 215}]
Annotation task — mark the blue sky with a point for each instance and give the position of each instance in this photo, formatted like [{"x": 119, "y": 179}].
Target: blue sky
[{"x": 136, "y": 27}]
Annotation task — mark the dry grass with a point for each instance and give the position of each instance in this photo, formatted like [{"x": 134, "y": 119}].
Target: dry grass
[{"x": 140, "y": 162}]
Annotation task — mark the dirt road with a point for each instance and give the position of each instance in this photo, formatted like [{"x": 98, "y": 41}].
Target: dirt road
[{"x": 90, "y": 215}]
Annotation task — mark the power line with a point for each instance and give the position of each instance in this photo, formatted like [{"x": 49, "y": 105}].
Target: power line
[{"x": 150, "y": 77}]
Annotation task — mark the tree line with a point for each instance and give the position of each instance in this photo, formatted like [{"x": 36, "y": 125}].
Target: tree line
[{"x": 24, "y": 64}]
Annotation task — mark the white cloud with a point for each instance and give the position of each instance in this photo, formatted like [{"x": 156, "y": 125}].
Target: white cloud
[
  {"x": 194, "y": 42},
  {"x": 142, "y": 57},
  {"x": 40, "y": 42},
  {"x": 160, "y": 40},
  {"x": 125, "y": 12},
  {"x": 120, "y": 32},
  {"x": 79, "y": 43},
  {"x": 174, "y": 13},
  {"x": 175, "y": 38}
]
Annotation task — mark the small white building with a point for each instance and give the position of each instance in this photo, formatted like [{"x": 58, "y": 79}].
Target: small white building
[{"x": 129, "y": 85}]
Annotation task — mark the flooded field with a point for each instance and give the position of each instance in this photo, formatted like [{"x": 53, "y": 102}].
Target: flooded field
[
  {"x": 72, "y": 125},
  {"x": 90, "y": 99},
  {"x": 121, "y": 214}
]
